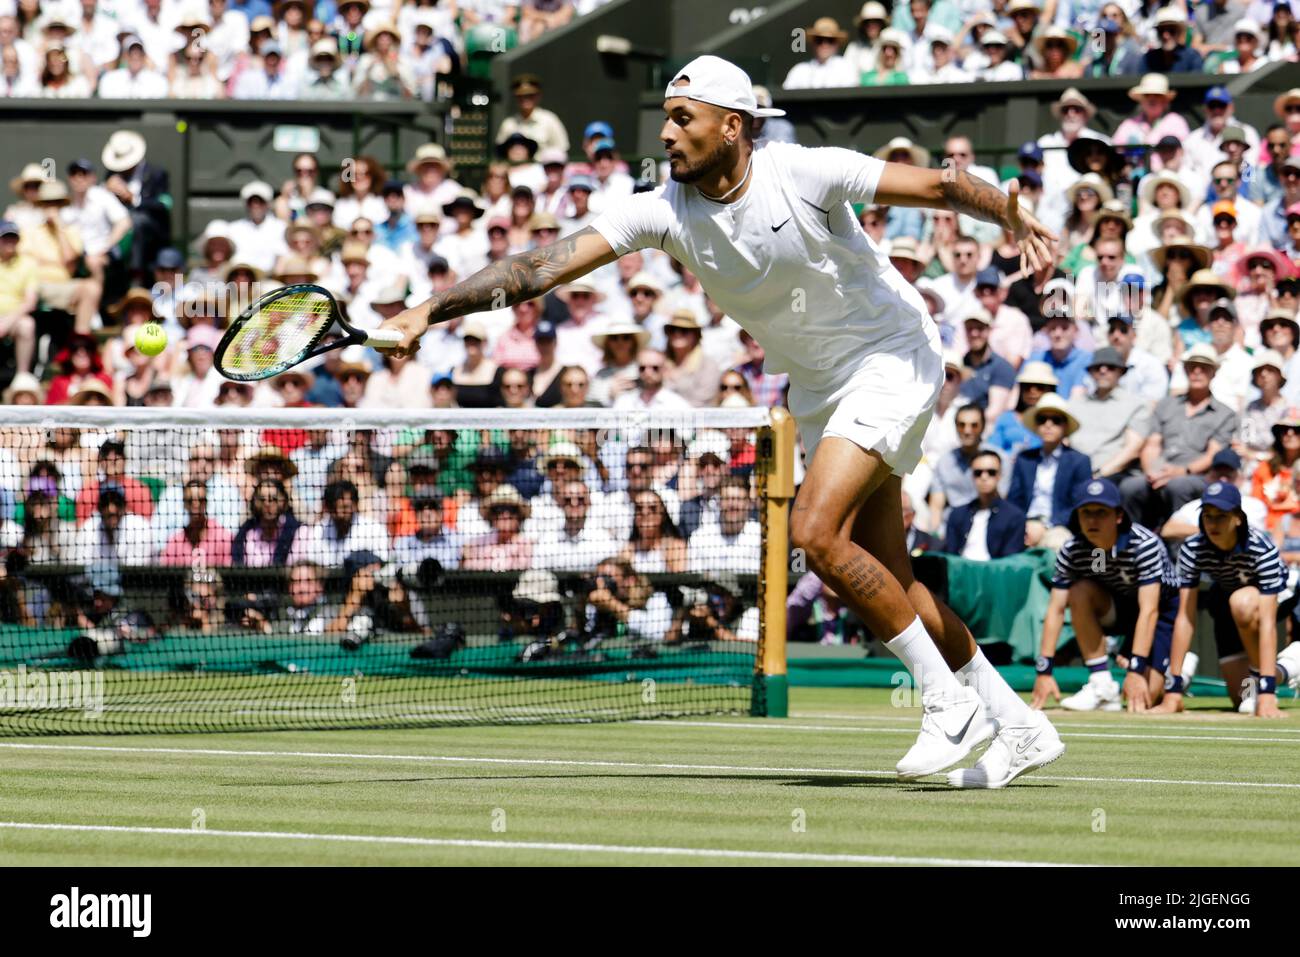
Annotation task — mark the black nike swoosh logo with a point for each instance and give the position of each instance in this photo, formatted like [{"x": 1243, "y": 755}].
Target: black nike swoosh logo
[
  {"x": 956, "y": 739},
  {"x": 778, "y": 228}
]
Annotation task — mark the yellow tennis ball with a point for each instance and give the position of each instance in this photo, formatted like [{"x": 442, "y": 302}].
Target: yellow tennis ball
[{"x": 151, "y": 339}]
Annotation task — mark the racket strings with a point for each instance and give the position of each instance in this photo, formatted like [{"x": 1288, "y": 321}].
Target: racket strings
[{"x": 278, "y": 335}]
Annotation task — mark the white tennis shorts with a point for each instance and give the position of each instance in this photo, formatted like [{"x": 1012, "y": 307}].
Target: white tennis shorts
[{"x": 885, "y": 406}]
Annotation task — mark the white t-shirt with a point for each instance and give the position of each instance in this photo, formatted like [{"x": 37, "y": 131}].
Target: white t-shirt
[
  {"x": 787, "y": 260},
  {"x": 95, "y": 220}
]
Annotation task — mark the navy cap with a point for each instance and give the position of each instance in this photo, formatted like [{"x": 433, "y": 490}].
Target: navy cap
[
  {"x": 81, "y": 165},
  {"x": 598, "y": 128},
  {"x": 1169, "y": 143},
  {"x": 1099, "y": 491},
  {"x": 1031, "y": 150},
  {"x": 1218, "y": 94},
  {"x": 1030, "y": 178},
  {"x": 1226, "y": 459},
  {"x": 360, "y": 559},
  {"x": 988, "y": 276},
  {"x": 438, "y": 264},
  {"x": 393, "y": 186},
  {"x": 1222, "y": 495},
  {"x": 169, "y": 258},
  {"x": 8, "y": 227},
  {"x": 545, "y": 330}
]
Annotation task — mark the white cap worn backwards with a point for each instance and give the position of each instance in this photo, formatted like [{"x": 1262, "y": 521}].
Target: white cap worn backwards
[{"x": 715, "y": 81}]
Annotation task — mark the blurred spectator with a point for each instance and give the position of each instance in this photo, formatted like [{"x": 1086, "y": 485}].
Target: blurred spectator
[
  {"x": 134, "y": 80},
  {"x": 992, "y": 376},
  {"x": 1186, "y": 431},
  {"x": 430, "y": 539},
  {"x": 111, "y": 472},
  {"x": 55, "y": 250},
  {"x": 654, "y": 544},
  {"x": 111, "y": 536},
  {"x": 540, "y": 125},
  {"x": 380, "y": 73},
  {"x": 101, "y": 220},
  {"x": 1067, "y": 360},
  {"x": 145, "y": 190},
  {"x": 732, "y": 543},
  {"x": 1232, "y": 380},
  {"x": 198, "y": 388},
  {"x": 888, "y": 69},
  {"x": 1171, "y": 53},
  {"x": 987, "y": 526},
  {"x": 1113, "y": 424},
  {"x": 341, "y": 530},
  {"x": 504, "y": 548},
  {"x": 202, "y": 541},
  {"x": 79, "y": 361},
  {"x": 997, "y": 51},
  {"x": 267, "y": 537},
  {"x": 863, "y": 48},
  {"x": 577, "y": 544},
  {"x": 827, "y": 68},
  {"x": 19, "y": 281},
  {"x": 952, "y": 484},
  {"x": 1044, "y": 479},
  {"x": 1155, "y": 119}
]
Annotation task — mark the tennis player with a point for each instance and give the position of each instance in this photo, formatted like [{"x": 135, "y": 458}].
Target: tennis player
[{"x": 772, "y": 237}]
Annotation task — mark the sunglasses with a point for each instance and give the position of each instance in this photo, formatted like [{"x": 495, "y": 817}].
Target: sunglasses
[
  {"x": 305, "y": 170},
  {"x": 363, "y": 232},
  {"x": 1053, "y": 419},
  {"x": 1104, "y": 367},
  {"x": 574, "y": 500},
  {"x": 984, "y": 473},
  {"x": 647, "y": 507},
  {"x": 635, "y": 293},
  {"x": 733, "y": 387},
  {"x": 650, "y": 368},
  {"x": 1225, "y": 180}
]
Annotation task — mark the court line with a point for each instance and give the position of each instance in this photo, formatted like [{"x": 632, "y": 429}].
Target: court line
[
  {"x": 563, "y": 847},
  {"x": 633, "y": 765},
  {"x": 754, "y": 726}
]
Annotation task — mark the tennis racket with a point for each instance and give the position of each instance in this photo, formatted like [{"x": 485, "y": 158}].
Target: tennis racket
[{"x": 284, "y": 328}]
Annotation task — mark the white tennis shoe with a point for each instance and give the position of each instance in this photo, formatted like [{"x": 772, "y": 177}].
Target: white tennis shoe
[
  {"x": 1248, "y": 696},
  {"x": 1015, "y": 751},
  {"x": 1289, "y": 658},
  {"x": 951, "y": 727},
  {"x": 1101, "y": 693}
]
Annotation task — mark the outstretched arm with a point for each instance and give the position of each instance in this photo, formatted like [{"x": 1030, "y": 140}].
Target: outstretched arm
[
  {"x": 526, "y": 275},
  {"x": 902, "y": 185}
]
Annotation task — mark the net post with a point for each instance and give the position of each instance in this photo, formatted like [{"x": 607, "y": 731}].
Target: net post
[{"x": 771, "y": 693}]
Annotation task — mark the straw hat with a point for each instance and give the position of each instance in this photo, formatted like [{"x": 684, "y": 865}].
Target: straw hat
[
  {"x": 1200, "y": 254},
  {"x": 386, "y": 26},
  {"x": 644, "y": 280},
  {"x": 1072, "y": 97},
  {"x": 53, "y": 191},
  {"x": 1149, "y": 183},
  {"x": 537, "y": 585},
  {"x": 1270, "y": 358},
  {"x": 1115, "y": 209},
  {"x": 827, "y": 27},
  {"x": 429, "y": 154},
  {"x": 871, "y": 10},
  {"x": 891, "y": 37},
  {"x": 560, "y": 452},
  {"x": 1280, "y": 104},
  {"x": 217, "y": 230},
  {"x": 326, "y": 48},
  {"x": 1152, "y": 84},
  {"x": 506, "y": 495},
  {"x": 308, "y": 379},
  {"x": 1093, "y": 182},
  {"x": 236, "y": 266},
  {"x": 621, "y": 327},
  {"x": 904, "y": 247},
  {"x": 1037, "y": 373},
  {"x": 1188, "y": 224},
  {"x": 354, "y": 252},
  {"x": 88, "y": 387},
  {"x": 301, "y": 226},
  {"x": 920, "y": 155},
  {"x": 291, "y": 267},
  {"x": 22, "y": 383},
  {"x": 32, "y": 173},
  {"x": 267, "y": 454},
  {"x": 683, "y": 319},
  {"x": 582, "y": 285},
  {"x": 136, "y": 295},
  {"x": 1201, "y": 354},
  {"x": 1203, "y": 278},
  {"x": 1050, "y": 402},
  {"x": 125, "y": 150},
  {"x": 1056, "y": 33},
  {"x": 1015, "y": 6}
]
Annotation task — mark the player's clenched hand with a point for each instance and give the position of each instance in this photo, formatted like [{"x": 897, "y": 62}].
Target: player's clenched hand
[
  {"x": 1171, "y": 704},
  {"x": 1135, "y": 690},
  {"x": 1037, "y": 243},
  {"x": 411, "y": 323},
  {"x": 1045, "y": 687}
]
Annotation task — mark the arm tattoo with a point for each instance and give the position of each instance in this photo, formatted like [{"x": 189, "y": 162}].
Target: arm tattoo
[
  {"x": 973, "y": 196},
  {"x": 517, "y": 278}
]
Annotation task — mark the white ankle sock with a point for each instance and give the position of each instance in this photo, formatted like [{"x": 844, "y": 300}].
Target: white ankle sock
[
  {"x": 1004, "y": 705},
  {"x": 917, "y": 650}
]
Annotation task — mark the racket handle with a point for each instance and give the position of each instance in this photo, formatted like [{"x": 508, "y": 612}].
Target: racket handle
[{"x": 383, "y": 338}]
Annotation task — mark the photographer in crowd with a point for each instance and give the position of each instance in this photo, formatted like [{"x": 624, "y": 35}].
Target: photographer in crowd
[
  {"x": 715, "y": 612},
  {"x": 623, "y": 603}
]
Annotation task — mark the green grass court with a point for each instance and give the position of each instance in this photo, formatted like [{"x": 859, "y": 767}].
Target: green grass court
[{"x": 1208, "y": 787}]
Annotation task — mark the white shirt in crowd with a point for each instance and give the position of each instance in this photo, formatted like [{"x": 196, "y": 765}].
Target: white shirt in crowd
[
  {"x": 132, "y": 545},
  {"x": 95, "y": 218},
  {"x": 122, "y": 84},
  {"x": 812, "y": 75},
  {"x": 711, "y": 549},
  {"x": 259, "y": 244}
]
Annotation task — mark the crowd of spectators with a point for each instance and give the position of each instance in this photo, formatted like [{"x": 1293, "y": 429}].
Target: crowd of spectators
[
  {"x": 963, "y": 41},
  {"x": 256, "y": 49},
  {"x": 1160, "y": 352}
]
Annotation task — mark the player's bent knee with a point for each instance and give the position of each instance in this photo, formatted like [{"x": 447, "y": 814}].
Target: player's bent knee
[{"x": 816, "y": 537}]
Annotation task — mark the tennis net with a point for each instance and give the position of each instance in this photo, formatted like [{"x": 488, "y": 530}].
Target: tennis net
[{"x": 172, "y": 570}]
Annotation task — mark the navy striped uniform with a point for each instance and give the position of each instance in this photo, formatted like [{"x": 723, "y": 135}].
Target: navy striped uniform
[
  {"x": 1253, "y": 562},
  {"x": 1138, "y": 558}
]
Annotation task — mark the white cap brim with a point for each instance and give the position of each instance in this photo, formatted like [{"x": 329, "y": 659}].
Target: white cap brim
[{"x": 704, "y": 97}]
